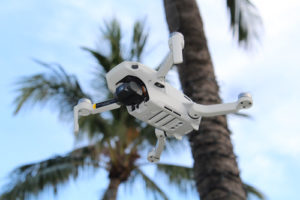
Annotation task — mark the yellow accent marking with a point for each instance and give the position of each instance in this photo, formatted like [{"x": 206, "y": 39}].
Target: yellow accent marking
[{"x": 94, "y": 106}]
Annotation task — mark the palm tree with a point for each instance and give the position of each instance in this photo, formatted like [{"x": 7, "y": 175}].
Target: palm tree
[
  {"x": 116, "y": 142},
  {"x": 216, "y": 172}
]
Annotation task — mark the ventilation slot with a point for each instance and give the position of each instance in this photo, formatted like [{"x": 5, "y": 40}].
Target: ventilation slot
[
  {"x": 169, "y": 109},
  {"x": 177, "y": 113},
  {"x": 164, "y": 120},
  {"x": 161, "y": 119},
  {"x": 158, "y": 117},
  {"x": 168, "y": 122},
  {"x": 155, "y": 115}
]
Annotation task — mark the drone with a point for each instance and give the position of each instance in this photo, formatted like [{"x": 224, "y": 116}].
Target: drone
[{"x": 149, "y": 98}]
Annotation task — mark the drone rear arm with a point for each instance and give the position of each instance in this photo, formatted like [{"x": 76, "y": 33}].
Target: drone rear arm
[
  {"x": 165, "y": 66},
  {"x": 198, "y": 110},
  {"x": 176, "y": 44}
]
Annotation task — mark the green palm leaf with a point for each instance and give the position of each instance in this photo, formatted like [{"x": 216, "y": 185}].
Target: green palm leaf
[
  {"x": 112, "y": 33},
  {"x": 94, "y": 126},
  {"x": 102, "y": 60},
  {"x": 139, "y": 40},
  {"x": 179, "y": 176},
  {"x": 243, "y": 115},
  {"x": 63, "y": 91},
  {"x": 244, "y": 20},
  {"x": 54, "y": 86},
  {"x": 32, "y": 178},
  {"x": 250, "y": 190},
  {"x": 150, "y": 185}
]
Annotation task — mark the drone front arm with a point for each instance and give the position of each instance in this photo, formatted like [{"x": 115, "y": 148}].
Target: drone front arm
[
  {"x": 198, "y": 110},
  {"x": 105, "y": 106},
  {"x": 176, "y": 44},
  {"x": 85, "y": 108}
]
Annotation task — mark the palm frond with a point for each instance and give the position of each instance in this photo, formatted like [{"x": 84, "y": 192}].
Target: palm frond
[
  {"x": 95, "y": 126},
  {"x": 33, "y": 178},
  {"x": 245, "y": 21},
  {"x": 150, "y": 185},
  {"x": 98, "y": 82},
  {"x": 250, "y": 190},
  {"x": 139, "y": 41},
  {"x": 55, "y": 86},
  {"x": 243, "y": 115},
  {"x": 112, "y": 36},
  {"x": 147, "y": 133},
  {"x": 179, "y": 176},
  {"x": 112, "y": 33},
  {"x": 102, "y": 60}
]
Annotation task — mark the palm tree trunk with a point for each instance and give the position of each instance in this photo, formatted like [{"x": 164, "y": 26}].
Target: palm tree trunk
[
  {"x": 112, "y": 190},
  {"x": 216, "y": 172}
]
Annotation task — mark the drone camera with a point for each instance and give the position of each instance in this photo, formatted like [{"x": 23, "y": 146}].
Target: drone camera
[{"x": 130, "y": 93}]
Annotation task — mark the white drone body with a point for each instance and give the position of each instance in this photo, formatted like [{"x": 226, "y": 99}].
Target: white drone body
[{"x": 148, "y": 97}]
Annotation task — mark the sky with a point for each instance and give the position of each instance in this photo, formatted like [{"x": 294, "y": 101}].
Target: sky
[{"x": 267, "y": 145}]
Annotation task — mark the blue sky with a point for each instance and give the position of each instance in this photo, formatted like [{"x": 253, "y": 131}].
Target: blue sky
[{"x": 268, "y": 146}]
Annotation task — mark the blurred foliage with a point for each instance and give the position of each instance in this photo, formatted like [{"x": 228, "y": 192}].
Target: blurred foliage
[
  {"x": 245, "y": 22},
  {"x": 53, "y": 86},
  {"x": 252, "y": 191}
]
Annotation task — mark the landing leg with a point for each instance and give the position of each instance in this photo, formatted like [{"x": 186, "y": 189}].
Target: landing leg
[{"x": 154, "y": 155}]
